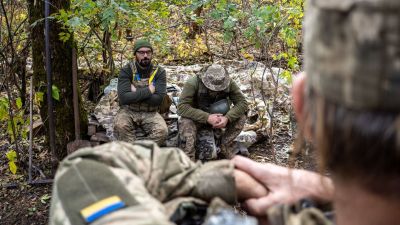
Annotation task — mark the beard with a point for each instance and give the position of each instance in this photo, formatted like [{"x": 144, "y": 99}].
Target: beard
[{"x": 145, "y": 62}]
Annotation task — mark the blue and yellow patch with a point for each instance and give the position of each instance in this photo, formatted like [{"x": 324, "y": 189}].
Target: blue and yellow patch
[{"x": 101, "y": 208}]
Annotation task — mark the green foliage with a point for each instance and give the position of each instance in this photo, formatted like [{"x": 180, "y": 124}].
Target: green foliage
[
  {"x": 55, "y": 92},
  {"x": 267, "y": 25},
  {"x": 44, "y": 199},
  {"x": 12, "y": 158},
  {"x": 38, "y": 99},
  {"x": 91, "y": 21},
  {"x": 19, "y": 121},
  {"x": 274, "y": 27}
]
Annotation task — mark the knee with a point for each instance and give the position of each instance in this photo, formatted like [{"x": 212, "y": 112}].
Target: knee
[
  {"x": 239, "y": 124},
  {"x": 161, "y": 130},
  {"x": 120, "y": 125},
  {"x": 187, "y": 126},
  {"x": 164, "y": 132}
]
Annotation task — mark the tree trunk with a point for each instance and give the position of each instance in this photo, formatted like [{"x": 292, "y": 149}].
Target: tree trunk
[
  {"x": 195, "y": 28},
  {"x": 61, "y": 63}
]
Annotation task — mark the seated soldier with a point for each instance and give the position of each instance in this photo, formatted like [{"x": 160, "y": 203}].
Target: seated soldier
[
  {"x": 204, "y": 107},
  {"x": 141, "y": 89}
]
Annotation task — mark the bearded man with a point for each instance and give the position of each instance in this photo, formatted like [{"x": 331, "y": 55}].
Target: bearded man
[{"x": 141, "y": 89}]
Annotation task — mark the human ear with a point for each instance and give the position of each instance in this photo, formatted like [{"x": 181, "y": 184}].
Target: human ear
[{"x": 298, "y": 96}]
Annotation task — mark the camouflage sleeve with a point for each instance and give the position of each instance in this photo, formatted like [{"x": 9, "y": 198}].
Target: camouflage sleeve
[
  {"x": 186, "y": 101},
  {"x": 161, "y": 88},
  {"x": 239, "y": 101},
  {"x": 120, "y": 183},
  {"x": 125, "y": 95},
  {"x": 303, "y": 212}
]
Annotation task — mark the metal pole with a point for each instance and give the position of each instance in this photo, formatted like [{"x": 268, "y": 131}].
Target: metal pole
[
  {"x": 75, "y": 94},
  {"x": 49, "y": 79},
  {"x": 30, "y": 129}
]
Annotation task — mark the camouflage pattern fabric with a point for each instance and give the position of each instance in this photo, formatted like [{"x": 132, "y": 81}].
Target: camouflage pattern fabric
[
  {"x": 106, "y": 110},
  {"x": 128, "y": 124},
  {"x": 150, "y": 181},
  {"x": 228, "y": 145},
  {"x": 304, "y": 212},
  {"x": 352, "y": 52},
  {"x": 197, "y": 139},
  {"x": 215, "y": 78},
  {"x": 206, "y": 148}
]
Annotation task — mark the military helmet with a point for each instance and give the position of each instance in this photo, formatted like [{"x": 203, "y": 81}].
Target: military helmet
[
  {"x": 352, "y": 52},
  {"x": 215, "y": 78}
]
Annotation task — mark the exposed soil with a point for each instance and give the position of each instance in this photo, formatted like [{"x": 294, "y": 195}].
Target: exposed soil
[{"x": 21, "y": 203}]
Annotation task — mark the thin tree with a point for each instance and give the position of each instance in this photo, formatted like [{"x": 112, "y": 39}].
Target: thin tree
[{"x": 61, "y": 67}]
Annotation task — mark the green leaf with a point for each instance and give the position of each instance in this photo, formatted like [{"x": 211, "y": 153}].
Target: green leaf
[
  {"x": 18, "y": 101},
  {"x": 13, "y": 167},
  {"x": 44, "y": 198},
  {"x": 39, "y": 97},
  {"x": 11, "y": 155},
  {"x": 3, "y": 109},
  {"x": 55, "y": 92}
]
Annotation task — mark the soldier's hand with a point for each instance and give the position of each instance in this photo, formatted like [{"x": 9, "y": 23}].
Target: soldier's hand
[
  {"x": 152, "y": 88},
  {"x": 247, "y": 187},
  {"x": 133, "y": 88},
  {"x": 222, "y": 123},
  {"x": 284, "y": 185},
  {"x": 214, "y": 119}
]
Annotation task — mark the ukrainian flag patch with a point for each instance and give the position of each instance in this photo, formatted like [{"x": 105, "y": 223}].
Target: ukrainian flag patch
[{"x": 101, "y": 208}]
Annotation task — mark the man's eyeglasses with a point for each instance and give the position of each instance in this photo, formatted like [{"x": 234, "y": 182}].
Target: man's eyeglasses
[{"x": 144, "y": 52}]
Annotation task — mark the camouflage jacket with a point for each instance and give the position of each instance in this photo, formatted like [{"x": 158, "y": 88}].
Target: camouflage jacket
[
  {"x": 120, "y": 183},
  {"x": 187, "y": 102}
]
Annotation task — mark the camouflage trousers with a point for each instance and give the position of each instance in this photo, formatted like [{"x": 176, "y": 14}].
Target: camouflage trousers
[
  {"x": 196, "y": 137},
  {"x": 130, "y": 126}
]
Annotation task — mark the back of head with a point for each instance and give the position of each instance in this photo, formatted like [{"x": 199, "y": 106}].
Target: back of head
[{"x": 352, "y": 61}]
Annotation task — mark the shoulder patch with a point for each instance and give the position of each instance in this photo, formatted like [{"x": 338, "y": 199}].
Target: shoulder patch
[{"x": 101, "y": 208}]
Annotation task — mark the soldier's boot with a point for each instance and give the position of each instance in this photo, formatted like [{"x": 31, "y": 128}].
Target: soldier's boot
[
  {"x": 187, "y": 137},
  {"x": 227, "y": 152}
]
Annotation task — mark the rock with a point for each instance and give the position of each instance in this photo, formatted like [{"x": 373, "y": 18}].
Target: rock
[{"x": 247, "y": 138}]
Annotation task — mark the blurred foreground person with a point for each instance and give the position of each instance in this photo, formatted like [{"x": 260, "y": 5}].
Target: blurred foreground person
[
  {"x": 119, "y": 183},
  {"x": 348, "y": 105}
]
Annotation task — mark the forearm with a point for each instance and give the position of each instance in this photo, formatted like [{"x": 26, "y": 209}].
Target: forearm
[
  {"x": 129, "y": 97},
  {"x": 154, "y": 100},
  {"x": 160, "y": 89},
  {"x": 237, "y": 111},
  {"x": 125, "y": 94},
  {"x": 187, "y": 111}
]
